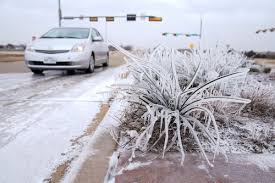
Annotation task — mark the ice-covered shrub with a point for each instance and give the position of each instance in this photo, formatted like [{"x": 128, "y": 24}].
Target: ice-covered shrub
[
  {"x": 214, "y": 63},
  {"x": 261, "y": 97},
  {"x": 171, "y": 111}
]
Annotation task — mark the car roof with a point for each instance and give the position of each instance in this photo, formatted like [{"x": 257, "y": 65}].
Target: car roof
[{"x": 73, "y": 28}]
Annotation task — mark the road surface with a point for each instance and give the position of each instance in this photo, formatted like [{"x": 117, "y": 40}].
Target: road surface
[{"x": 40, "y": 115}]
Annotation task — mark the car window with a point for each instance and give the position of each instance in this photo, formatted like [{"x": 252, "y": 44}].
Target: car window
[
  {"x": 97, "y": 34},
  {"x": 93, "y": 34},
  {"x": 72, "y": 33}
]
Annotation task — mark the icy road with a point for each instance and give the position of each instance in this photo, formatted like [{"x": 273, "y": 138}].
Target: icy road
[{"x": 39, "y": 115}]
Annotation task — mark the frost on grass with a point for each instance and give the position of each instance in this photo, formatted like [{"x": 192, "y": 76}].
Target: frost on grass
[
  {"x": 261, "y": 97},
  {"x": 172, "y": 109}
]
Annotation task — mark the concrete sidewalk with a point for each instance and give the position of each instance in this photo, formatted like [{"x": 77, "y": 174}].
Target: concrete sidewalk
[{"x": 153, "y": 169}]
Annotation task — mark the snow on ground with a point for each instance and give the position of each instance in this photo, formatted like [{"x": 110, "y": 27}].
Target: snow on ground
[{"x": 40, "y": 115}]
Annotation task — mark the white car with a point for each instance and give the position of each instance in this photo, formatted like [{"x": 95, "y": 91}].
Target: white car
[{"x": 67, "y": 49}]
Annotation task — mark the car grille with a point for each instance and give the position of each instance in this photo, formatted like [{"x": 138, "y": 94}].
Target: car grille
[
  {"x": 52, "y": 51},
  {"x": 56, "y": 64}
]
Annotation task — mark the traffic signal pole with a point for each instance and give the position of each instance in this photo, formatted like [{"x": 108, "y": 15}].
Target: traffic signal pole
[
  {"x": 200, "y": 32},
  {"x": 59, "y": 13}
]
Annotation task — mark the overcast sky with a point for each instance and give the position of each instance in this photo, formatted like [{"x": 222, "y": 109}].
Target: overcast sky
[{"x": 231, "y": 22}]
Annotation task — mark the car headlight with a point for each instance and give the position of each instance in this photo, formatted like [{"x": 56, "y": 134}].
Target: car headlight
[
  {"x": 30, "y": 48},
  {"x": 78, "y": 48}
]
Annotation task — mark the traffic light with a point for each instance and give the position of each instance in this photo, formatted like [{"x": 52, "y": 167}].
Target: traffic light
[
  {"x": 93, "y": 19},
  {"x": 110, "y": 19},
  {"x": 165, "y": 33},
  {"x": 155, "y": 19},
  {"x": 131, "y": 17}
]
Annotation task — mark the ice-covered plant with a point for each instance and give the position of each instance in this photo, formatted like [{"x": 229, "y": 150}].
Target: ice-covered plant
[
  {"x": 173, "y": 112},
  {"x": 215, "y": 62},
  {"x": 261, "y": 97}
]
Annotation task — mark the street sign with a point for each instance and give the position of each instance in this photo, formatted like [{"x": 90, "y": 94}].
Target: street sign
[
  {"x": 180, "y": 34},
  {"x": 68, "y": 18},
  {"x": 131, "y": 17}
]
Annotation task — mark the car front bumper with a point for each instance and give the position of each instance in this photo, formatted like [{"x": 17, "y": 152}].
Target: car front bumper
[{"x": 60, "y": 61}]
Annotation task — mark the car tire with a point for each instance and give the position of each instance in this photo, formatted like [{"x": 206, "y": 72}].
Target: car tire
[
  {"x": 36, "y": 71},
  {"x": 70, "y": 72},
  {"x": 106, "y": 64},
  {"x": 91, "y": 68}
]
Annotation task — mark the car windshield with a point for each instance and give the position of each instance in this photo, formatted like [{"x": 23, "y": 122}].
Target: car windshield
[{"x": 71, "y": 33}]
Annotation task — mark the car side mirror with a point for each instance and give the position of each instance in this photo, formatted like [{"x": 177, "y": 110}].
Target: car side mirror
[{"x": 97, "y": 38}]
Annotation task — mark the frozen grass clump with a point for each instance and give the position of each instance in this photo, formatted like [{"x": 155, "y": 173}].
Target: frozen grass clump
[
  {"x": 215, "y": 63},
  {"x": 172, "y": 113},
  {"x": 261, "y": 97}
]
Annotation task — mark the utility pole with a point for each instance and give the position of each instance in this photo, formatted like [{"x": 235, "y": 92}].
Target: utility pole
[
  {"x": 106, "y": 31},
  {"x": 59, "y": 13},
  {"x": 200, "y": 31},
  {"x": 200, "y": 27}
]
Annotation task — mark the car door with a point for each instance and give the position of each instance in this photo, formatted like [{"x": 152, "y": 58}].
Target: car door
[
  {"x": 103, "y": 48},
  {"x": 96, "y": 44}
]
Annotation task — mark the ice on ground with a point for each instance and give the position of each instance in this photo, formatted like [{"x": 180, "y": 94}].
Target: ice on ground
[
  {"x": 133, "y": 166},
  {"x": 106, "y": 125},
  {"x": 202, "y": 167},
  {"x": 264, "y": 162},
  {"x": 35, "y": 133}
]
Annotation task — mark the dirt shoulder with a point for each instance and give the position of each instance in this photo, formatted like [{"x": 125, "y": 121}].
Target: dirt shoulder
[
  {"x": 266, "y": 62},
  {"x": 11, "y": 56}
]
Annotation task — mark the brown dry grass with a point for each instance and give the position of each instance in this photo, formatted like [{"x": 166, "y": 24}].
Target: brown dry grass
[
  {"x": 12, "y": 56},
  {"x": 116, "y": 59},
  {"x": 59, "y": 172},
  {"x": 265, "y": 62}
]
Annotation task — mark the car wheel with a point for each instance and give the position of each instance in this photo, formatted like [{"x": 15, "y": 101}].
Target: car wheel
[
  {"x": 107, "y": 61},
  {"x": 91, "y": 65},
  {"x": 37, "y": 71},
  {"x": 70, "y": 72}
]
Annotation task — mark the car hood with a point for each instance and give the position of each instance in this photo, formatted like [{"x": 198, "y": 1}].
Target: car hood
[{"x": 56, "y": 44}]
